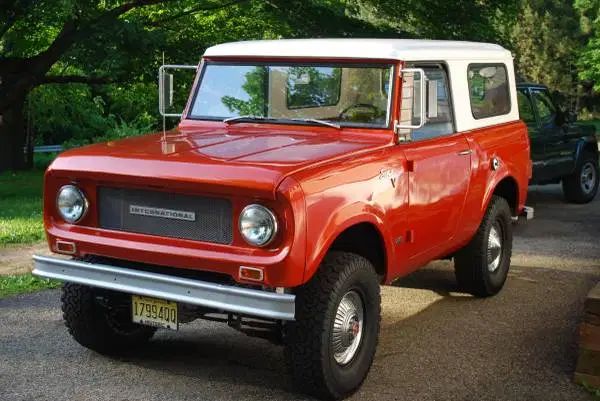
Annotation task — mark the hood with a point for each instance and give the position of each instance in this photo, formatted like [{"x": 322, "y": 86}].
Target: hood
[{"x": 222, "y": 159}]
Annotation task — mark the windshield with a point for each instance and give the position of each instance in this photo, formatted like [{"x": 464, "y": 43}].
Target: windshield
[{"x": 342, "y": 94}]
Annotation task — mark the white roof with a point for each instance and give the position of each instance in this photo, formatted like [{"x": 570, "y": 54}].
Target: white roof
[{"x": 393, "y": 49}]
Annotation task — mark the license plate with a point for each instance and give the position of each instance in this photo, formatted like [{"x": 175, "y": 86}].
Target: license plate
[{"x": 154, "y": 312}]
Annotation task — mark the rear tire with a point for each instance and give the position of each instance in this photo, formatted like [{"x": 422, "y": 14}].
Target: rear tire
[
  {"x": 482, "y": 266},
  {"x": 101, "y": 320},
  {"x": 582, "y": 185},
  {"x": 331, "y": 344}
]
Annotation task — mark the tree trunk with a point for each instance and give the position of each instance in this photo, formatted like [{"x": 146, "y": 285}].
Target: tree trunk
[{"x": 13, "y": 136}]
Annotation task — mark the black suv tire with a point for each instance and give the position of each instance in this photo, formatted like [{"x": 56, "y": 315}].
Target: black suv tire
[
  {"x": 482, "y": 266},
  {"x": 101, "y": 320},
  {"x": 582, "y": 185},
  {"x": 330, "y": 350}
]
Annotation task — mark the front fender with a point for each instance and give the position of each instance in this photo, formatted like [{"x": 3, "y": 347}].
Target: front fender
[{"x": 322, "y": 235}]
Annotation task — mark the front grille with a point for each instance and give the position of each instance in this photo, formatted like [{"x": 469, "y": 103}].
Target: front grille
[{"x": 165, "y": 214}]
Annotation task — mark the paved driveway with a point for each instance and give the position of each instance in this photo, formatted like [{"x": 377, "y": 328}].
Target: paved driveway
[{"x": 436, "y": 343}]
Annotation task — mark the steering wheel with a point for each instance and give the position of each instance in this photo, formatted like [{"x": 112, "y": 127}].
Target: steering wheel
[{"x": 373, "y": 110}]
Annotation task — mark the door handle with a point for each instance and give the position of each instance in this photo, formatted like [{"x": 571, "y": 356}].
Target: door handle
[{"x": 465, "y": 152}]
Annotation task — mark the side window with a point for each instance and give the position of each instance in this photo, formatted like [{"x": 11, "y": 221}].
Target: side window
[
  {"x": 439, "y": 116},
  {"x": 525, "y": 108},
  {"x": 544, "y": 105},
  {"x": 488, "y": 90}
]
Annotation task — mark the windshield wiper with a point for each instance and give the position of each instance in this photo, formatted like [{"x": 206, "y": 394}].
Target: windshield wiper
[
  {"x": 232, "y": 120},
  {"x": 237, "y": 119},
  {"x": 316, "y": 121}
]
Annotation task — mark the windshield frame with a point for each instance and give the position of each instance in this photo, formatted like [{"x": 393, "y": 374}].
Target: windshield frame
[{"x": 392, "y": 64}]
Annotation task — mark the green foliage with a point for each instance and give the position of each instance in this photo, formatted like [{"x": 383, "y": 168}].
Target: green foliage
[
  {"x": 435, "y": 19},
  {"x": 545, "y": 38},
  {"x": 119, "y": 129},
  {"x": 21, "y": 207},
  {"x": 555, "y": 42},
  {"x": 589, "y": 60},
  {"x": 24, "y": 283}
]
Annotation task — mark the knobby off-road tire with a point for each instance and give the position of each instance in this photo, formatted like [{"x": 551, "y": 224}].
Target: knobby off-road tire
[
  {"x": 320, "y": 365},
  {"x": 582, "y": 185},
  {"x": 101, "y": 321},
  {"x": 482, "y": 266}
]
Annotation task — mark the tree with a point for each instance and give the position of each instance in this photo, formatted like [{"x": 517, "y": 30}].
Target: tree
[
  {"x": 589, "y": 57},
  {"x": 546, "y": 38},
  {"x": 435, "y": 19},
  {"x": 100, "y": 42},
  {"x": 46, "y": 41}
]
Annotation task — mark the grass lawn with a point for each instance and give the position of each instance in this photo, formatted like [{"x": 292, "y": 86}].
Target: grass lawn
[
  {"x": 21, "y": 207},
  {"x": 23, "y": 283},
  {"x": 595, "y": 123}
]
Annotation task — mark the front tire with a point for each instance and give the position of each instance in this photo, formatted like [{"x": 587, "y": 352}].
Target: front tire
[
  {"x": 331, "y": 344},
  {"x": 482, "y": 266},
  {"x": 101, "y": 320},
  {"x": 582, "y": 185}
]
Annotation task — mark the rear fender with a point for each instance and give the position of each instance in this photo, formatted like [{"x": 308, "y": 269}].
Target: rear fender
[
  {"x": 501, "y": 174},
  {"x": 585, "y": 144}
]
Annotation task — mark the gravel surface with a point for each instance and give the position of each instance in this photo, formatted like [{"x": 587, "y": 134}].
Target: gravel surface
[{"x": 435, "y": 344}]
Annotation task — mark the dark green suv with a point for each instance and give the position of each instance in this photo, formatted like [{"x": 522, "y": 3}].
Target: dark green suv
[{"x": 561, "y": 150}]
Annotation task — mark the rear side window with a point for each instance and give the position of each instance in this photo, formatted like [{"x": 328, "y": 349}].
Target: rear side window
[{"x": 488, "y": 90}]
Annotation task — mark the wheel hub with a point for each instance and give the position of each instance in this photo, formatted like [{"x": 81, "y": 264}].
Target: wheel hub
[
  {"x": 494, "y": 251},
  {"x": 347, "y": 328},
  {"x": 588, "y": 178}
]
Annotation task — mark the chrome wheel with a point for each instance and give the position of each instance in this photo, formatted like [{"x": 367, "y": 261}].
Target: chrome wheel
[
  {"x": 347, "y": 328},
  {"x": 494, "y": 248},
  {"x": 587, "y": 179}
]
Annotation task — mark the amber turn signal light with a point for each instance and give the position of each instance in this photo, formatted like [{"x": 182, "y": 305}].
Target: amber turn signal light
[
  {"x": 251, "y": 273},
  {"x": 66, "y": 247}
]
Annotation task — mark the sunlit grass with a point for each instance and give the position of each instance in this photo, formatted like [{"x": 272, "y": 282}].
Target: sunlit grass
[
  {"x": 24, "y": 283},
  {"x": 21, "y": 207}
]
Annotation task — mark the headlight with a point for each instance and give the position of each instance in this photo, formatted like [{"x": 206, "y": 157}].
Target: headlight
[
  {"x": 258, "y": 225},
  {"x": 71, "y": 203}
]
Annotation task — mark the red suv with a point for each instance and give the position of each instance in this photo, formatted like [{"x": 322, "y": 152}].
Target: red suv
[{"x": 302, "y": 175}]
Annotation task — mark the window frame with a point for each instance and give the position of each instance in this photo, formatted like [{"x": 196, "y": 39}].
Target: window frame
[
  {"x": 543, "y": 121},
  {"x": 508, "y": 90},
  {"x": 352, "y": 64}
]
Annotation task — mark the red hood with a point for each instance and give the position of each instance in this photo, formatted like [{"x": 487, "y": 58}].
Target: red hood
[{"x": 253, "y": 159}]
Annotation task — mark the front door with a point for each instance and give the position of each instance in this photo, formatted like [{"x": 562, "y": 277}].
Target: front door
[
  {"x": 439, "y": 165},
  {"x": 536, "y": 139},
  {"x": 558, "y": 151}
]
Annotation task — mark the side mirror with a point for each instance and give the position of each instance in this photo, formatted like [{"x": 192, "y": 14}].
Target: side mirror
[
  {"x": 432, "y": 99},
  {"x": 413, "y": 99},
  {"x": 165, "y": 88}
]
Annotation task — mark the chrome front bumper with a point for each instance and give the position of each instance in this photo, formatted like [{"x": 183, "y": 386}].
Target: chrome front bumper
[{"x": 216, "y": 296}]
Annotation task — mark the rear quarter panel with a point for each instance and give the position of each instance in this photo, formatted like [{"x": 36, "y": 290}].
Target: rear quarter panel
[{"x": 509, "y": 143}]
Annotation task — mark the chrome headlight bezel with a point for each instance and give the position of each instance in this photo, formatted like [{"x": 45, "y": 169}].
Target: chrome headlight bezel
[
  {"x": 80, "y": 196},
  {"x": 270, "y": 216}
]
